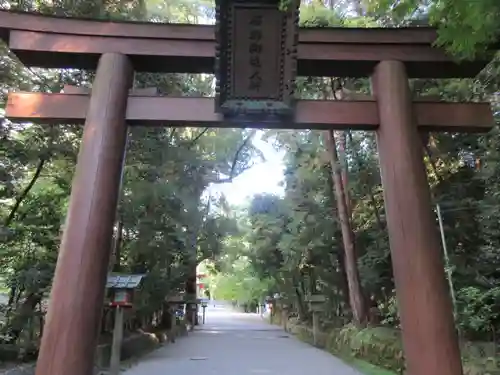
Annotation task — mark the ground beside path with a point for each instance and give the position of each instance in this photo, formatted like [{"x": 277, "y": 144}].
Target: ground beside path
[{"x": 232, "y": 343}]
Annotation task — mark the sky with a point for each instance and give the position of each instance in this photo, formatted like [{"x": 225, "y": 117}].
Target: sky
[{"x": 263, "y": 177}]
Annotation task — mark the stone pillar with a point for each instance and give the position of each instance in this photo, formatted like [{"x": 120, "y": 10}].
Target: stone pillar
[
  {"x": 75, "y": 308},
  {"x": 429, "y": 335}
]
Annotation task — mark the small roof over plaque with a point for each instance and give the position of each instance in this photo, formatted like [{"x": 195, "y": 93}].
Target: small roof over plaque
[{"x": 123, "y": 281}]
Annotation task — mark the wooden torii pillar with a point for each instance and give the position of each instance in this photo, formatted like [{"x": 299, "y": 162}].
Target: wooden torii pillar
[
  {"x": 76, "y": 300},
  {"x": 391, "y": 56},
  {"x": 425, "y": 308},
  {"x": 431, "y": 345}
]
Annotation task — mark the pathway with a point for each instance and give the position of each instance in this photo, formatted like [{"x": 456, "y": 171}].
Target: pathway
[{"x": 232, "y": 343}]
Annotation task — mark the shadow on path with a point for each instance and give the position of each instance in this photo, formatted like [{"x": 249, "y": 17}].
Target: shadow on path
[{"x": 232, "y": 343}]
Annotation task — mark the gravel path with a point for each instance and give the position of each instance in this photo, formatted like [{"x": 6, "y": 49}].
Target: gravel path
[{"x": 233, "y": 343}]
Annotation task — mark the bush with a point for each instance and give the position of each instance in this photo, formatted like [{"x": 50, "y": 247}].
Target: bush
[
  {"x": 382, "y": 346},
  {"x": 305, "y": 333},
  {"x": 9, "y": 352},
  {"x": 478, "y": 310},
  {"x": 378, "y": 345}
]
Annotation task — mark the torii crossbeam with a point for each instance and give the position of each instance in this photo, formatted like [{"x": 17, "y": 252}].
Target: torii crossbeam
[
  {"x": 389, "y": 56},
  {"x": 148, "y": 110}
]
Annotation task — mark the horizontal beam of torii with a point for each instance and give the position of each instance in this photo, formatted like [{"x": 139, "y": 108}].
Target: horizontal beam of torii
[
  {"x": 146, "y": 109},
  {"x": 61, "y": 42}
]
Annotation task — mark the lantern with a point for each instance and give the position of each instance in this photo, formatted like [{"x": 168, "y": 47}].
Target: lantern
[{"x": 122, "y": 289}]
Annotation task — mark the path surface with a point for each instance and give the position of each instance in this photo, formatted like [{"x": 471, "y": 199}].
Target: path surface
[{"x": 232, "y": 343}]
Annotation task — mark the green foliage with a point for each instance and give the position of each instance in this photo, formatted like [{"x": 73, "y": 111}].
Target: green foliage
[
  {"x": 378, "y": 350},
  {"x": 235, "y": 279},
  {"x": 478, "y": 308},
  {"x": 367, "y": 368},
  {"x": 466, "y": 28},
  {"x": 380, "y": 346},
  {"x": 318, "y": 16},
  {"x": 389, "y": 310},
  {"x": 238, "y": 287}
]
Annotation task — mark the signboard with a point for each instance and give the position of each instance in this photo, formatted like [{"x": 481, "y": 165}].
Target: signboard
[
  {"x": 316, "y": 298},
  {"x": 317, "y": 307},
  {"x": 256, "y": 60},
  {"x": 316, "y": 302},
  {"x": 176, "y": 299},
  {"x": 256, "y": 57}
]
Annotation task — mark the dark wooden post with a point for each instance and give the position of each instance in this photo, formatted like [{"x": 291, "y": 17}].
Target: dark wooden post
[
  {"x": 429, "y": 336},
  {"x": 191, "y": 306},
  {"x": 76, "y": 300}
]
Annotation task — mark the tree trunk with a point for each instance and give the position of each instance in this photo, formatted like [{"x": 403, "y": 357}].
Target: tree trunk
[
  {"x": 344, "y": 286},
  {"x": 117, "y": 243},
  {"x": 344, "y": 167},
  {"x": 300, "y": 291},
  {"x": 23, "y": 314},
  {"x": 357, "y": 301},
  {"x": 24, "y": 193},
  {"x": 339, "y": 255}
]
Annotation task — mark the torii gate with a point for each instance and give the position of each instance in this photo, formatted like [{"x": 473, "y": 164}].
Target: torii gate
[{"x": 390, "y": 56}]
